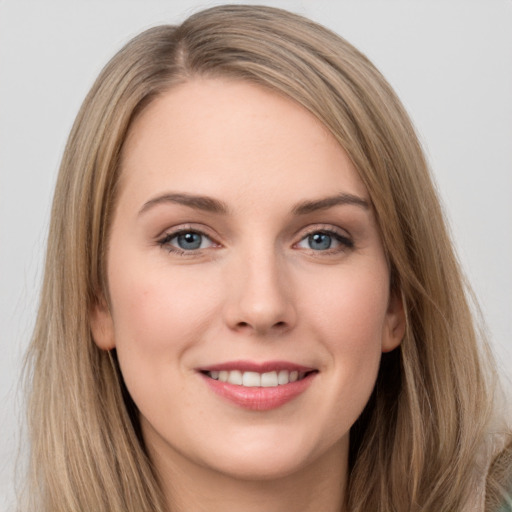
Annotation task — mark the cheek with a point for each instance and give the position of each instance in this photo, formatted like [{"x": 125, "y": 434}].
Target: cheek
[
  {"x": 351, "y": 320},
  {"x": 354, "y": 339},
  {"x": 351, "y": 310},
  {"x": 157, "y": 308},
  {"x": 159, "y": 316}
]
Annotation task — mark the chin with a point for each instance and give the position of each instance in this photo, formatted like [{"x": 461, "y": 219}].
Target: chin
[
  {"x": 264, "y": 467},
  {"x": 274, "y": 457}
]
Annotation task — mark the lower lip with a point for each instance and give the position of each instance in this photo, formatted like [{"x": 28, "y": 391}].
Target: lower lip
[{"x": 260, "y": 398}]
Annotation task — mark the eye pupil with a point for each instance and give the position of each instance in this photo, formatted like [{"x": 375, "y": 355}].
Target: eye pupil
[
  {"x": 189, "y": 241},
  {"x": 320, "y": 241}
]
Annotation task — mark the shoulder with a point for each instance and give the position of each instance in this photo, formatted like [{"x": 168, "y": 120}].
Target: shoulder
[{"x": 498, "y": 489}]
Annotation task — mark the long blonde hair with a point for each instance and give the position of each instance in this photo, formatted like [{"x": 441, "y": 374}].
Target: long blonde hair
[{"x": 414, "y": 446}]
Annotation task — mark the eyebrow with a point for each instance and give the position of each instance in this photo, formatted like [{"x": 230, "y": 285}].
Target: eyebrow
[
  {"x": 306, "y": 207},
  {"x": 207, "y": 204},
  {"x": 211, "y": 205}
]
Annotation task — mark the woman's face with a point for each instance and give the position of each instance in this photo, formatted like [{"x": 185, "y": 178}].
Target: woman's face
[{"x": 244, "y": 248}]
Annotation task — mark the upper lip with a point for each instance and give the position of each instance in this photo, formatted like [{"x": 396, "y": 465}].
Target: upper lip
[{"x": 259, "y": 367}]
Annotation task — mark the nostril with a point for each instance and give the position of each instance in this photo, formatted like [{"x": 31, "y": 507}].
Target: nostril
[{"x": 278, "y": 325}]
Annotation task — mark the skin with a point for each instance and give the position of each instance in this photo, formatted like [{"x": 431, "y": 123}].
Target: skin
[{"x": 258, "y": 289}]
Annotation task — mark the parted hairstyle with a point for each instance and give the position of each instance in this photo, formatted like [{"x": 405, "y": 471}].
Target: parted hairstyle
[{"x": 418, "y": 444}]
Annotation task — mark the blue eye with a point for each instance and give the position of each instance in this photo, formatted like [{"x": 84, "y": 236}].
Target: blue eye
[
  {"x": 189, "y": 241},
  {"x": 325, "y": 241},
  {"x": 319, "y": 241},
  {"x": 186, "y": 240}
]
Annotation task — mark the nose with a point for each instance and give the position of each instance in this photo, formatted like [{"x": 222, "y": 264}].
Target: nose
[{"x": 260, "y": 296}]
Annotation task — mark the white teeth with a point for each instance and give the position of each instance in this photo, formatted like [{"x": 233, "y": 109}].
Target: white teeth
[
  {"x": 251, "y": 379},
  {"x": 255, "y": 379},
  {"x": 269, "y": 379},
  {"x": 235, "y": 377},
  {"x": 283, "y": 377}
]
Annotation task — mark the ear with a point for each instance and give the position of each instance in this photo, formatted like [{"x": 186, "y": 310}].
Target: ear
[
  {"x": 394, "y": 328},
  {"x": 102, "y": 325}
]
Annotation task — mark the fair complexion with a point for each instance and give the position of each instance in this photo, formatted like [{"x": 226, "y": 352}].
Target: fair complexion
[{"x": 244, "y": 240}]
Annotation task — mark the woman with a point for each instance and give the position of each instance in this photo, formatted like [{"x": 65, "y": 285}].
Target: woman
[{"x": 250, "y": 299}]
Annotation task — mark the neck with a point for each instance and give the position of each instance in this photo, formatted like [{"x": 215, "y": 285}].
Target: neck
[{"x": 319, "y": 485}]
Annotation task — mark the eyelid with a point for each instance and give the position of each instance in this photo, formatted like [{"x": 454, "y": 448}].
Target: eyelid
[
  {"x": 184, "y": 228},
  {"x": 341, "y": 235},
  {"x": 170, "y": 233},
  {"x": 324, "y": 228}
]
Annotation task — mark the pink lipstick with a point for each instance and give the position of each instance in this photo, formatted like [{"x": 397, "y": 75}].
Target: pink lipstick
[{"x": 258, "y": 386}]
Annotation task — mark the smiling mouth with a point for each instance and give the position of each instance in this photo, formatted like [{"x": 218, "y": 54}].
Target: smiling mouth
[
  {"x": 251, "y": 379},
  {"x": 259, "y": 386}
]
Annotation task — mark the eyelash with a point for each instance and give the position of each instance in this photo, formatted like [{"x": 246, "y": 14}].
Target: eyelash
[
  {"x": 165, "y": 241},
  {"x": 345, "y": 242}
]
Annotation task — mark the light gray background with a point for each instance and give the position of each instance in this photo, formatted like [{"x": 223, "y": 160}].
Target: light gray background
[{"x": 450, "y": 62}]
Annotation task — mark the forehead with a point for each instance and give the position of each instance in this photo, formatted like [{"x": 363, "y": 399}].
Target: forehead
[{"x": 208, "y": 135}]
